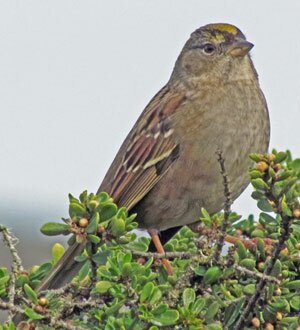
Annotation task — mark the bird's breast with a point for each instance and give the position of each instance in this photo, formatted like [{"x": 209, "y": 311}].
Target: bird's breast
[{"x": 231, "y": 119}]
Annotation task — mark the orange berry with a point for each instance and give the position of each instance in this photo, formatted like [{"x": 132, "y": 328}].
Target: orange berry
[
  {"x": 261, "y": 266},
  {"x": 269, "y": 326},
  {"x": 279, "y": 316},
  {"x": 296, "y": 213},
  {"x": 271, "y": 157},
  {"x": 262, "y": 166},
  {"x": 83, "y": 222},
  {"x": 278, "y": 292},
  {"x": 141, "y": 260},
  {"x": 255, "y": 322},
  {"x": 43, "y": 301},
  {"x": 101, "y": 229},
  {"x": 285, "y": 251},
  {"x": 39, "y": 309}
]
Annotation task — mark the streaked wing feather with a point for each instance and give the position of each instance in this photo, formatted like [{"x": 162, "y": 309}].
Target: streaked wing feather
[{"x": 134, "y": 171}]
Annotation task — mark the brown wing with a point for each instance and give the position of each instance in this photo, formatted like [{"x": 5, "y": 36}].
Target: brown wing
[{"x": 147, "y": 152}]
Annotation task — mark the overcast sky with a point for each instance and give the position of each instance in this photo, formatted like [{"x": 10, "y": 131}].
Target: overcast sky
[{"x": 74, "y": 76}]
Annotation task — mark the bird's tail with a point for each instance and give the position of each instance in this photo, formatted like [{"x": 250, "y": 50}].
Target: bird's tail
[{"x": 65, "y": 269}]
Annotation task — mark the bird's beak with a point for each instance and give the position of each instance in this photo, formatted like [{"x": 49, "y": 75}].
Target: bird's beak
[{"x": 239, "y": 48}]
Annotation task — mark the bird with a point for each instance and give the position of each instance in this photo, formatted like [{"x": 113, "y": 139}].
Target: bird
[{"x": 166, "y": 170}]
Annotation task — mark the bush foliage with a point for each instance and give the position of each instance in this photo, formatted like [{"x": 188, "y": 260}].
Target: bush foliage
[{"x": 250, "y": 282}]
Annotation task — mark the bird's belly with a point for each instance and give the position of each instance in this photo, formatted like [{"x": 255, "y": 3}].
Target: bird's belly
[{"x": 194, "y": 180}]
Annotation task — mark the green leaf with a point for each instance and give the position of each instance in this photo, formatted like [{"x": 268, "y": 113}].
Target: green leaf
[
  {"x": 84, "y": 271},
  {"x": 77, "y": 210},
  {"x": 241, "y": 250},
  {"x": 212, "y": 275},
  {"x": 81, "y": 258},
  {"x": 4, "y": 280},
  {"x": 188, "y": 297},
  {"x": 261, "y": 247},
  {"x": 205, "y": 216},
  {"x": 249, "y": 289},
  {"x": 102, "y": 197},
  {"x": 259, "y": 184},
  {"x": 200, "y": 270},
  {"x": 101, "y": 257},
  {"x": 212, "y": 311},
  {"x": 280, "y": 157},
  {"x": 41, "y": 272},
  {"x": 169, "y": 317},
  {"x": 57, "y": 252},
  {"x": 284, "y": 207},
  {"x": 254, "y": 174},
  {"x": 257, "y": 195},
  {"x": 248, "y": 263},
  {"x": 139, "y": 245},
  {"x": 102, "y": 286},
  {"x": 83, "y": 196},
  {"x": 277, "y": 269},
  {"x": 264, "y": 205},
  {"x": 293, "y": 285},
  {"x": 117, "y": 227},
  {"x": 94, "y": 239},
  {"x": 155, "y": 296},
  {"x": 54, "y": 228},
  {"x": 214, "y": 326},
  {"x": 295, "y": 165},
  {"x": 160, "y": 309},
  {"x": 256, "y": 157},
  {"x": 73, "y": 199},
  {"x": 72, "y": 240},
  {"x": 30, "y": 293},
  {"x": 291, "y": 322},
  {"x": 232, "y": 312},
  {"x": 295, "y": 303},
  {"x": 93, "y": 224},
  {"x": 147, "y": 291},
  {"x": 198, "y": 306},
  {"x": 280, "y": 305},
  {"x": 258, "y": 233},
  {"x": 107, "y": 211},
  {"x": 32, "y": 314},
  {"x": 267, "y": 219}
]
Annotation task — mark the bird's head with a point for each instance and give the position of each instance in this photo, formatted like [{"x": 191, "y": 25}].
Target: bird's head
[{"x": 216, "y": 51}]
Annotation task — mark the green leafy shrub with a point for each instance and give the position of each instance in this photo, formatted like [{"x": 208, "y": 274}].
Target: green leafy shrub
[{"x": 250, "y": 282}]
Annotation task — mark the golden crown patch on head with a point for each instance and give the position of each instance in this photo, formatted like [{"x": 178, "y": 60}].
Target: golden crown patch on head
[
  {"x": 220, "y": 32},
  {"x": 223, "y": 27}
]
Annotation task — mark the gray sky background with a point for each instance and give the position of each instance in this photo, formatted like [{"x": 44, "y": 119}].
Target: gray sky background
[{"x": 74, "y": 76}]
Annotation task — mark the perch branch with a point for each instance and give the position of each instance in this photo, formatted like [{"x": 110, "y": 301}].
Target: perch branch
[{"x": 227, "y": 207}]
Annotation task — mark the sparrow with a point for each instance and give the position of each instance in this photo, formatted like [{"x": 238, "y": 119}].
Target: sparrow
[{"x": 167, "y": 168}]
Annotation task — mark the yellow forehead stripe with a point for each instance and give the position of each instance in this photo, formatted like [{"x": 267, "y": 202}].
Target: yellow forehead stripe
[
  {"x": 219, "y": 37},
  {"x": 224, "y": 28}
]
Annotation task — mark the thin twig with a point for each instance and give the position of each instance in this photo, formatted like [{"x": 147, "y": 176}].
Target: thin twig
[
  {"x": 206, "y": 260},
  {"x": 10, "y": 240},
  {"x": 64, "y": 289},
  {"x": 60, "y": 324},
  {"x": 227, "y": 207},
  {"x": 259, "y": 275},
  {"x": 169, "y": 255},
  {"x": 7, "y": 306},
  {"x": 285, "y": 225}
]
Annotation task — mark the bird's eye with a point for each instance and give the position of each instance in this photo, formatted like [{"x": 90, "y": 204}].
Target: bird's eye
[{"x": 209, "y": 49}]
